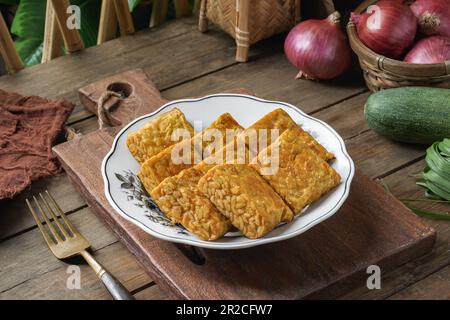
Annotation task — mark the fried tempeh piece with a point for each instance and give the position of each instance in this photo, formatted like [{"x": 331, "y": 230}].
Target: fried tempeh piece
[
  {"x": 181, "y": 200},
  {"x": 161, "y": 166},
  {"x": 280, "y": 119},
  {"x": 240, "y": 194},
  {"x": 156, "y": 135},
  {"x": 302, "y": 176}
]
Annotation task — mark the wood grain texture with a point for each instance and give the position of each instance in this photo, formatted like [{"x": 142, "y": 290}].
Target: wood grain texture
[
  {"x": 436, "y": 286},
  {"x": 151, "y": 293},
  {"x": 393, "y": 234},
  {"x": 36, "y": 259},
  {"x": 200, "y": 55},
  {"x": 52, "y": 284},
  {"x": 107, "y": 27},
  {"x": 16, "y": 218},
  {"x": 7, "y": 49},
  {"x": 271, "y": 75},
  {"x": 402, "y": 185},
  {"x": 52, "y": 35},
  {"x": 71, "y": 37},
  {"x": 159, "y": 12},
  {"x": 123, "y": 14},
  {"x": 208, "y": 67}
]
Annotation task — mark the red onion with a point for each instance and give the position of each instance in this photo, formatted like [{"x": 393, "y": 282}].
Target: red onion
[
  {"x": 433, "y": 16},
  {"x": 318, "y": 48},
  {"x": 430, "y": 50},
  {"x": 388, "y": 28}
]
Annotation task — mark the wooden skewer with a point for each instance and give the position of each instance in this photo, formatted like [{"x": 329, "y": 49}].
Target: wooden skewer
[
  {"x": 203, "y": 19},
  {"x": 8, "y": 51},
  {"x": 52, "y": 35},
  {"x": 159, "y": 12},
  {"x": 196, "y": 8},
  {"x": 242, "y": 31},
  {"x": 72, "y": 38},
  {"x": 107, "y": 28},
  {"x": 182, "y": 8},
  {"x": 123, "y": 14}
]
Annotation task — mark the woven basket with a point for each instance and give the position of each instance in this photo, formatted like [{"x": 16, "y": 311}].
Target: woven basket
[
  {"x": 249, "y": 21},
  {"x": 382, "y": 73}
]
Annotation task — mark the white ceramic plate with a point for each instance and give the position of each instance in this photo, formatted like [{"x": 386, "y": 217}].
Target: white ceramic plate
[{"x": 125, "y": 193}]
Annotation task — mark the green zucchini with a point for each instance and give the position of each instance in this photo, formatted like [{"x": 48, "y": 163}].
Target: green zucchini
[{"x": 410, "y": 114}]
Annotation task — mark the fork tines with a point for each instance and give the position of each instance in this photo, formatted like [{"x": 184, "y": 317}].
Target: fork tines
[{"x": 47, "y": 206}]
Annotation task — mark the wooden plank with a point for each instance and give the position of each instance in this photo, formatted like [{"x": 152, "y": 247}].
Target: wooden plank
[
  {"x": 377, "y": 156},
  {"x": 7, "y": 49},
  {"x": 402, "y": 185},
  {"x": 271, "y": 76},
  {"x": 35, "y": 258},
  {"x": 151, "y": 293},
  {"x": 71, "y": 37},
  {"x": 347, "y": 117},
  {"x": 436, "y": 286},
  {"x": 200, "y": 54},
  {"x": 124, "y": 17},
  {"x": 159, "y": 12},
  {"x": 52, "y": 285},
  {"x": 52, "y": 35},
  {"x": 15, "y": 216},
  {"x": 107, "y": 28}
]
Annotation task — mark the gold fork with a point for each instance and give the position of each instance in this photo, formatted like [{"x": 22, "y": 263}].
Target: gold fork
[{"x": 66, "y": 241}]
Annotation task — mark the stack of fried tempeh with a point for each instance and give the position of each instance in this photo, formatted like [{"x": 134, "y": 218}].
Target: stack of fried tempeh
[{"x": 222, "y": 191}]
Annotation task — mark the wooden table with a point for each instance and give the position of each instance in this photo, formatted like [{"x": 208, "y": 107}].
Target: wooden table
[{"x": 185, "y": 63}]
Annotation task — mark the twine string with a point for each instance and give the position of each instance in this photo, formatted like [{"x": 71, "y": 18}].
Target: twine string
[{"x": 102, "y": 113}]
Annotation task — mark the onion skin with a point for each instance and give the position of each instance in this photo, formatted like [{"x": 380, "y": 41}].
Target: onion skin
[
  {"x": 434, "y": 49},
  {"x": 318, "y": 48},
  {"x": 388, "y": 30},
  {"x": 433, "y": 16}
]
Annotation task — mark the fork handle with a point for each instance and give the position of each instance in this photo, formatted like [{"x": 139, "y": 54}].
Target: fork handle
[{"x": 114, "y": 287}]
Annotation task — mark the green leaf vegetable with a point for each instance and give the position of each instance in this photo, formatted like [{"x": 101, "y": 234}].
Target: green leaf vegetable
[
  {"x": 436, "y": 176},
  {"x": 9, "y": 2},
  {"x": 435, "y": 179}
]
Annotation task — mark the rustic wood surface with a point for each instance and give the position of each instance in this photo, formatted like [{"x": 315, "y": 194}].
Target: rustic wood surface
[
  {"x": 202, "y": 64},
  {"x": 372, "y": 227}
]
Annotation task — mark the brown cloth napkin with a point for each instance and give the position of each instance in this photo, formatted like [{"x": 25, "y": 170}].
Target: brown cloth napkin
[{"x": 28, "y": 128}]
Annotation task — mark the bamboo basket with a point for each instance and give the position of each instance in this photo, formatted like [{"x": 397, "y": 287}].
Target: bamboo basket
[
  {"x": 382, "y": 73},
  {"x": 249, "y": 21}
]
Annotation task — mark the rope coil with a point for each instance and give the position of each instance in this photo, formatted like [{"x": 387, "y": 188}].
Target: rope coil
[{"x": 102, "y": 113}]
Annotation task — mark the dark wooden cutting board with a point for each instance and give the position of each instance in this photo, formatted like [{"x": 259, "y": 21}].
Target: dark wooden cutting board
[{"x": 325, "y": 262}]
